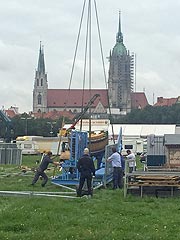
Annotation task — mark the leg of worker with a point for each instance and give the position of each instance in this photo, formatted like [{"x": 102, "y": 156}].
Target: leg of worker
[
  {"x": 89, "y": 181},
  {"x": 120, "y": 177},
  {"x": 81, "y": 183},
  {"x": 36, "y": 177},
  {"x": 45, "y": 177},
  {"x": 115, "y": 178}
]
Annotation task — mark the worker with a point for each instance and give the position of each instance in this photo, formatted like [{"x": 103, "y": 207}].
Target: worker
[
  {"x": 115, "y": 159},
  {"x": 42, "y": 167},
  {"x": 86, "y": 168},
  {"x": 131, "y": 161}
]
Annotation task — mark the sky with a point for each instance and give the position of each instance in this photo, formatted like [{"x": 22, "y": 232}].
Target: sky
[{"x": 150, "y": 30}]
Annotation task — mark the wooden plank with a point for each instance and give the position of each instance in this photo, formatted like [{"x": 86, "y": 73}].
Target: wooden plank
[
  {"x": 153, "y": 185},
  {"x": 157, "y": 177}
]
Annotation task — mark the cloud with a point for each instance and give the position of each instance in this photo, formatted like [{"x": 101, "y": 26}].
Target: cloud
[{"x": 149, "y": 29}]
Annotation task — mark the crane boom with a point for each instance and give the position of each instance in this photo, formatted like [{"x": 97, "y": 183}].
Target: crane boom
[{"x": 91, "y": 101}]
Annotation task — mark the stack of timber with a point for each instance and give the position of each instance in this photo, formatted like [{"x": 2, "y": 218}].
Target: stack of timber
[{"x": 155, "y": 180}]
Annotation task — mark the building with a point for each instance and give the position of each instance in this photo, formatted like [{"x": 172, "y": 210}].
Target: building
[
  {"x": 138, "y": 100},
  {"x": 119, "y": 96},
  {"x": 166, "y": 101},
  {"x": 12, "y": 112},
  {"x": 121, "y": 75},
  {"x": 40, "y": 92}
]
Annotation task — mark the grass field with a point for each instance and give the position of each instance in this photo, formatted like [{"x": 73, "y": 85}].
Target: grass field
[{"x": 106, "y": 216}]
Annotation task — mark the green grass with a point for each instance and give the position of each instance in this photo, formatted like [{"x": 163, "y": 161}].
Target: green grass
[{"x": 106, "y": 216}]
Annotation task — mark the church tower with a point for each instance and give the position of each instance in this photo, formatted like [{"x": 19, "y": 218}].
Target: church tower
[
  {"x": 121, "y": 73},
  {"x": 40, "y": 85}
]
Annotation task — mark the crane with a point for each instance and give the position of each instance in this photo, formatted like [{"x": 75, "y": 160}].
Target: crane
[{"x": 91, "y": 101}]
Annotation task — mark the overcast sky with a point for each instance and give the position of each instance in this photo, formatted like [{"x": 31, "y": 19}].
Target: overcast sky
[{"x": 150, "y": 29}]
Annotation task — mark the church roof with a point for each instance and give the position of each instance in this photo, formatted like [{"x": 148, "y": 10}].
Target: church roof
[
  {"x": 41, "y": 63},
  {"x": 119, "y": 48},
  {"x": 138, "y": 100},
  {"x": 73, "y": 98}
]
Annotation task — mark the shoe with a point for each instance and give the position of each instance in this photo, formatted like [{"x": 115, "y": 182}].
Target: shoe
[{"x": 85, "y": 196}]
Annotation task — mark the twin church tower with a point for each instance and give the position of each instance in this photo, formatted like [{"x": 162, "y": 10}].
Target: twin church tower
[{"x": 119, "y": 92}]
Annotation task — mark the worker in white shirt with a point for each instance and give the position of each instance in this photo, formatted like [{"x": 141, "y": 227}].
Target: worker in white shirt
[
  {"x": 115, "y": 159},
  {"x": 131, "y": 161}
]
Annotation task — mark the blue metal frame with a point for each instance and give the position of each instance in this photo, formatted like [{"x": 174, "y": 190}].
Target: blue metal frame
[{"x": 78, "y": 141}]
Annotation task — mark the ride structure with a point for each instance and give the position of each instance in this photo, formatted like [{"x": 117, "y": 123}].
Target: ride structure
[
  {"x": 78, "y": 140},
  {"x": 70, "y": 176}
]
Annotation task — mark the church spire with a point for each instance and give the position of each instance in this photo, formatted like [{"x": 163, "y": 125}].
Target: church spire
[
  {"x": 41, "y": 64},
  {"x": 119, "y": 35}
]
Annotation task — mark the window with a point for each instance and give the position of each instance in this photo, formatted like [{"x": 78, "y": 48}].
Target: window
[
  {"x": 41, "y": 81},
  {"x": 37, "y": 81},
  {"x": 29, "y": 146},
  {"x": 128, "y": 146},
  {"x": 39, "y": 98}
]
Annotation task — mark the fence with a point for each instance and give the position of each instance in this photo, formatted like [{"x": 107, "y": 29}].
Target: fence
[{"x": 10, "y": 154}]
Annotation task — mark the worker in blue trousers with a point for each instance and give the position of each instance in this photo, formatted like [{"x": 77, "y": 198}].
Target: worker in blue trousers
[
  {"x": 115, "y": 159},
  {"x": 42, "y": 167}
]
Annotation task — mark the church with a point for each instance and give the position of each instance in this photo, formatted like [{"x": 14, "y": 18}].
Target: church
[{"x": 118, "y": 99}]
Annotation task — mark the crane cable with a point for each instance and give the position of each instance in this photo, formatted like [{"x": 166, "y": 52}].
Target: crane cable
[
  {"x": 88, "y": 36},
  {"x": 102, "y": 56},
  {"x": 70, "y": 81}
]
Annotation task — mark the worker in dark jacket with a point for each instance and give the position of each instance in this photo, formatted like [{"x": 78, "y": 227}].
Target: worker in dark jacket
[
  {"x": 42, "y": 167},
  {"x": 86, "y": 168}
]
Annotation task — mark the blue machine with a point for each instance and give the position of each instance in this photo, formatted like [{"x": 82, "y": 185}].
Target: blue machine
[{"x": 70, "y": 174}]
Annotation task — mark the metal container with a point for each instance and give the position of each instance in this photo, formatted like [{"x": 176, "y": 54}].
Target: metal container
[{"x": 155, "y": 145}]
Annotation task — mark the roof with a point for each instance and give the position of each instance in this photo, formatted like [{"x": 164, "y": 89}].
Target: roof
[
  {"x": 172, "y": 139},
  {"x": 73, "y": 97},
  {"x": 143, "y": 130},
  {"x": 54, "y": 114},
  {"x": 11, "y": 113},
  {"x": 165, "y": 101},
  {"x": 119, "y": 49},
  {"x": 139, "y": 100}
]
